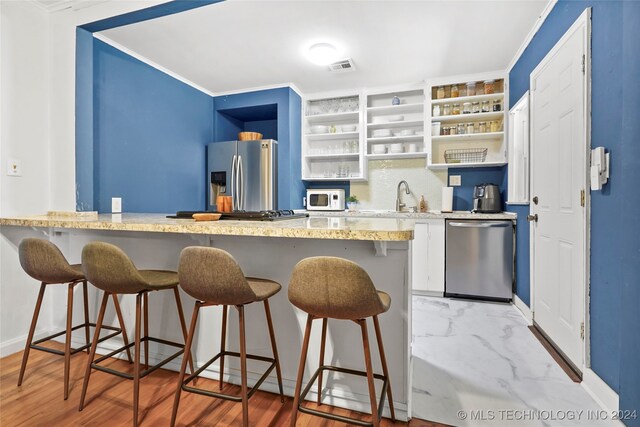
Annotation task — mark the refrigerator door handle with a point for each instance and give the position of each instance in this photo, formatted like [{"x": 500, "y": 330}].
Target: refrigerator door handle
[
  {"x": 240, "y": 178},
  {"x": 233, "y": 183}
]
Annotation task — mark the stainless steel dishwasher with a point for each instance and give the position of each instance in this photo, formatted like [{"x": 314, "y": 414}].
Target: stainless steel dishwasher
[{"x": 479, "y": 259}]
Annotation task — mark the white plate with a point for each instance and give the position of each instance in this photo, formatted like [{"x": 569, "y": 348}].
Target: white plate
[{"x": 396, "y": 118}]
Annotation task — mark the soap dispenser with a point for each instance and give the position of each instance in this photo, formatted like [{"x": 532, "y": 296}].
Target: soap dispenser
[{"x": 423, "y": 204}]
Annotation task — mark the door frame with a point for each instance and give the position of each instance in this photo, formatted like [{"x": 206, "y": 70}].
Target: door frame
[{"x": 584, "y": 20}]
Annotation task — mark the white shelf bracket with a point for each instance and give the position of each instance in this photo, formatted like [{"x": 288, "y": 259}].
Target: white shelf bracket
[{"x": 380, "y": 248}]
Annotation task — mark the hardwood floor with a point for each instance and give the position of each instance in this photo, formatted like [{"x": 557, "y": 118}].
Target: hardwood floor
[{"x": 39, "y": 401}]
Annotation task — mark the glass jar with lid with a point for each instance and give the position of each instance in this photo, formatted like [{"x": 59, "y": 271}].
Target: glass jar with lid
[
  {"x": 470, "y": 128},
  {"x": 489, "y": 87},
  {"x": 440, "y": 92},
  {"x": 475, "y": 107},
  {"x": 495, "y": 126},
  {"x": 497, "y": 105},
  {"x": 446, "y": 110},
  {"x": 486, "y": 107},
  {"x": 446, "y": 130},
  {"x": 456, "y": 109},
  {"x": 453, "y": 130},
  {"x": 471, "y": 88},
  {"x": 454, "y": 91},
  {"x": 466, "y": 108},
  {"x": 461, "y": 129},
  {"x": 436, "y": 110},
  {"x": 482, "y": 127}
]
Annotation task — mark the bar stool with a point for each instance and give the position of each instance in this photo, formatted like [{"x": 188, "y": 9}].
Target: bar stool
[
  {"x": 335, "y": 288},
  {"x": 107, "y": 267},
  {"x": 43, "y": 261},
  {"x": 213, "y": 277}
]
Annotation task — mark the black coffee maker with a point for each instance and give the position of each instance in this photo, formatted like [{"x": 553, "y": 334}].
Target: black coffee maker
[{"x": 486, "y": 199}]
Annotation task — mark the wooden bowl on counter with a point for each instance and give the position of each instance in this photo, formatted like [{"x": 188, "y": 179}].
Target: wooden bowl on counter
[
  {"x": 207, "y": 216},
  {"x": 249, "y": 136}
]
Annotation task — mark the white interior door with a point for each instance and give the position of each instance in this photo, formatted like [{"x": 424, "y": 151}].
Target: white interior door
[{"x": 558, "y": 181}]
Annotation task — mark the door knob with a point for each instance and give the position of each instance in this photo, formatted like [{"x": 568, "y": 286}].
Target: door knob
[
  {"x": 535, "y": 200},
  {"x": 532, "y": 218}
]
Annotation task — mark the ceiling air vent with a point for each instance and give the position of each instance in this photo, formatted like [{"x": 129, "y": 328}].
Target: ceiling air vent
[{"x": 342, "y": 66}]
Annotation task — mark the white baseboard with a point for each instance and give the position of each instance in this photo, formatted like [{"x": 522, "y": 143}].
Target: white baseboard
[
  {"x": 427, "y": 293},
  {"x": 600, "y": 391},
  {"x": 342, "y": 398},
  {"x": 524, "y": 309},
  {"x": 17, "y": 344}
]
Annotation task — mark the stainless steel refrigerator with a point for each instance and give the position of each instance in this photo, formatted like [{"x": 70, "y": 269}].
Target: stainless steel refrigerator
[{"x": 244, "y": 170}]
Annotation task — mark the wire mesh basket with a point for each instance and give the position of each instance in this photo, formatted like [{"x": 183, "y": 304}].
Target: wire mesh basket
[{"x": 465, "y": 155}]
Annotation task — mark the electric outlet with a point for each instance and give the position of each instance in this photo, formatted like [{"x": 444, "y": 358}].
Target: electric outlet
[
  {"x": 455, "y": 181},
  {"x": 14, "y": 168},
  {"x": 116, "y": 205}
]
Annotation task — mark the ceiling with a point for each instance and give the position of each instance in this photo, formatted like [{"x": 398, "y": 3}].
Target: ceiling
[
  {"x": 237, "y": 44},
  {"x": 58, "y": 5}
]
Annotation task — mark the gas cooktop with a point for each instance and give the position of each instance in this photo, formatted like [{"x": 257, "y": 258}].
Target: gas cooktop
[{"x": 278, "y": 215}]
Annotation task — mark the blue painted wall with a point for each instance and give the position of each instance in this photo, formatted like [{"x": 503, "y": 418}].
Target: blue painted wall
[
  {"x": 630, "y": 244},
  {"x": 84, "y": 121},
  {"x": 615, "y": 329},
  {"x": 265, "y": 111},
  {"x": 149, "y": 136}
]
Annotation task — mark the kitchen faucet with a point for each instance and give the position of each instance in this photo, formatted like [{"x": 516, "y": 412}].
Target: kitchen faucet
[{"x": 400, "y": 205}]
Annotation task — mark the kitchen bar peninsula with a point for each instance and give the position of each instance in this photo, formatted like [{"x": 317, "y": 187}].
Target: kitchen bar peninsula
[{"x": 266, "y": 249}]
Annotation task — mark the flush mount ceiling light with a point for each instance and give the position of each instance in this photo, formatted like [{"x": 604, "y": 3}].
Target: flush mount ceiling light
[{"x": 323, "y": 53}]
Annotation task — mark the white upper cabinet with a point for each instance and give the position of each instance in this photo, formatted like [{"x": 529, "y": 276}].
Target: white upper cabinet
[
  {"x": 467, "y": 118},
  {"x": 332, "y": 138},
  {"x": 518, "y": 189},
  {"x": 395, "y": 124}
]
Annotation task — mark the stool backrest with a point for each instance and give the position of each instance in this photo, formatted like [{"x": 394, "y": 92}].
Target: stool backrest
[
  {"x": 107, "y": 267},
  {"x": 334, "y": 288},
  {"x": 43, "y": 261},
  {"x": 213, "y": 275}
]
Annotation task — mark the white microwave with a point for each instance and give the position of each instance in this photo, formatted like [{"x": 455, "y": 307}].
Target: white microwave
[{"x": 325, "y": 200}]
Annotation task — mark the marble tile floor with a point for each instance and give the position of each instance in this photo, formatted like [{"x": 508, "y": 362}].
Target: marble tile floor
[{"x": 481, "y": 357}]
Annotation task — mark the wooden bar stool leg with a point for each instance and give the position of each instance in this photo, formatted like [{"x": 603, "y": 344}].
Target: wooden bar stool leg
[
  {"x": 367, "y": 359},
  {"x": 183, "y": 324},
  {"x": 243, "y": 367},
  {"x": 136, "y": 361},
  {"x": 303, "y": 359},
  {"x": 67, "y": 340},
  {"x": 186, "y": 356},
  {"x": 322, "y": 346},
  {"x": 146, "y": 329},
  {"x": 94, "y": 345},
  {"x": 32, "y": 329},
  {"x": 85, "y": 298},
  {"x": 272, "y": 336},
  {"x": 385, "y": 371},
  {"x": 223, "y": 343},
  {"x": 124, "y": 330}
]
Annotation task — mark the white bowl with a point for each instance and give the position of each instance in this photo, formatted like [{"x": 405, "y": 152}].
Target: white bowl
[
  {"x": 381, "y": 133},
  {"x": 378, "y": 149},
  {"x": 396, "y": 118},
  {"x": 348, "y": 128},
  {"x": 319, "y": 129},
  {"x": 407, "y": 132},
  {"x": 396, "y": 147}
]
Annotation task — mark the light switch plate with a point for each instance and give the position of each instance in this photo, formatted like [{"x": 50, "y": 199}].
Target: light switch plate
[
  {"x": 14, "y": 168},
  {"x": 116, "y": 205},
  {"x": 455, "y": 181}
]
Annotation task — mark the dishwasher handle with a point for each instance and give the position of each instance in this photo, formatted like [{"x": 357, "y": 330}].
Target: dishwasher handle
[{"x": 480, "y": 224}]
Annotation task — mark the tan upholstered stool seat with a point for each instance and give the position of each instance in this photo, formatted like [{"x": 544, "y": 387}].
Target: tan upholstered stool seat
[
  {"x": 213, "y": 277},
  {"x": 263, "y": 288},
  {"x": 385, "y": 299},
  {"x": 109, "y": 268},
  {"x": 43, "y": 261},
  {"x": 159, "y": 279},
  {"x": 336, "y": 288}
]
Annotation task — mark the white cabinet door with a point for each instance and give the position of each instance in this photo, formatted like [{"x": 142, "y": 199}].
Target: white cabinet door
[{"x": 428, "y": 257}]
